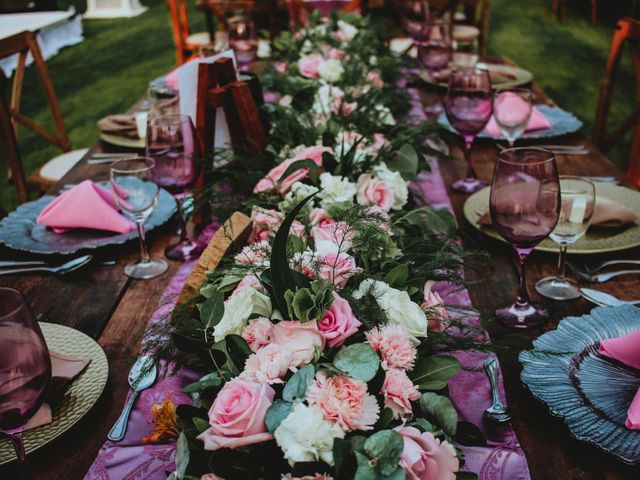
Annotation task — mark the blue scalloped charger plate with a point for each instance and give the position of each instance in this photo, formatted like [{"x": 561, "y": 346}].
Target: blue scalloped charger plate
[
  {"x": 590, "y": 392},
  {"x": 20, "y": 231},
  {"x": 562, "y": 123}
]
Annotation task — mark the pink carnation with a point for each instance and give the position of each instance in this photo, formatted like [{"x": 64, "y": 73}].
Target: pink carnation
[
  {"x": 394, "y": 345},
  {"x": 308, "y": 65},
  {"x": 399, "y": 391},
  {"x": 433, "y": 305},
  {"x": 344, "y": 401},
  {"x": 336, "y": 267},
  {"x": 269, "y": 364},
  {"x": 249, "y": 281},
  {"x": 256, "y": 333},
  {"x": 424, "y": 457},
  {"x": 254, "y": 253},
  {"x": 338, "y": 322},
  {"x": 265, "y": 223},
  {"x": 301, "y": 339},
  {"x": 372, "y": 190},
  {"x": 297, "y": 228}
]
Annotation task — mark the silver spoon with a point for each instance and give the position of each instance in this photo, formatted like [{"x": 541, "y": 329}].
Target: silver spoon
[
  {"x": 66, "y": 267},
  {"x": 141, "y": 376},
  {"x": 604, "y": 299},
  {"x": 497, "y": 411}
]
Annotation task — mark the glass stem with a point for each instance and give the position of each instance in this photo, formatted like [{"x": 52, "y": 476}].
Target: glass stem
[
  {"x": 144, "y": 253},
  {"x": 562, "y": 261},
  {"x": 18, "y": 446},
  {"x": 468, "y": 142},
  {"x": 184, "y": 235},
  {"x": 522, "y": 300}
]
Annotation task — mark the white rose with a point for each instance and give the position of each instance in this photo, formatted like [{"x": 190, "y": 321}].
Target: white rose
[
  {"x": 334, "y": 189},
  {"x": 264, "y": 49},
  {"x": 331, "y": 70},
  {"x": 238, "y": 309},
  {"x": 396, "y": 183},
  {"x": 397, "y": 305},
  {"x": 305, "y": 436},
  {"x": 348, "y": 30}
]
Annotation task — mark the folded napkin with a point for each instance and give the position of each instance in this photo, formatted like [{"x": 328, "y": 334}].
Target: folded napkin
[
  {"x": 87, "y": 205},
  {"x": 537, "y": 121},
  {"x": 122, "y": 125},
  {"x": 626, "y": 350}
]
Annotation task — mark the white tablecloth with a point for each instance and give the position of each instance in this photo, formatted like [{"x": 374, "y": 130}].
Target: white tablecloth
[{"x": 54, "y": 30}]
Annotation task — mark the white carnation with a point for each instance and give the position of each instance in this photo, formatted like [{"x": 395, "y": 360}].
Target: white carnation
[
  {"x": 334, "y": 189},
  {"x": 397, "y": 305},
  {"x": 348, "y": 30},
  {"x": 331, "y": 70},
  {"x": 238, "y": 309},
  {"x": 396, "y": 183},
  {"x": 305, "y": 436}
]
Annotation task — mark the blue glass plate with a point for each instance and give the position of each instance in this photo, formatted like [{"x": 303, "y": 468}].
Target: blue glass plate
[
  {"x": 20, "y": 231},
  {"x": 590, "y": 392},
  {"x": 562, "y": 123}
]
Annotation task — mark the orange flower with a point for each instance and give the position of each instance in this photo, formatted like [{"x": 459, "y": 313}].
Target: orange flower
[{"x": 164, "y": 421}]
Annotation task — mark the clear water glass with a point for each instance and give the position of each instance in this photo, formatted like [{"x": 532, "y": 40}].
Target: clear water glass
[
  {"x": 242, "y": 40},
  {"x": 136, "y": 194},
  {"x": 578, "y": 200},
  {"x": 512, "y": 110}
]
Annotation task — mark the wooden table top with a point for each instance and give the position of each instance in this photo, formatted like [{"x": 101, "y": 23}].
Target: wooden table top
[{"x": 113, "y": 309}]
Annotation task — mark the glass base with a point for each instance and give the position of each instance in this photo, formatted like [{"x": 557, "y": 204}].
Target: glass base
[
  {"x": 468, "y": 185},
  {"x": 553, "y": 287},
  {"x": 146, "y": 270},
  {"x": 185, "y": 250},
  {"x": 516, "y": 316}
]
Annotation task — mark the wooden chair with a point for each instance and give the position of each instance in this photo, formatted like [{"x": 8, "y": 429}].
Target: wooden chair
[
  {"x": 299, "y": 10},
  {"x": 558, "y": 8},
  {"x": 187, "y": 45},
  {"x": 627, "y": 32}
]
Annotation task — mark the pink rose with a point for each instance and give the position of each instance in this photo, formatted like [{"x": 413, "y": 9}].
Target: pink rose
[
  {"x": 237, "y": 415},
  {"x": 249, "y": 281},
  {"x": 301, "y": 339},
  {"x": 269, "y": 364},
  {"x": 333, "y": 237},
  {"x": 265, "y": 223},
  {"x": 424, "y": 457},
  {"x": 320, "y": 218},
  {"x": 374, "y": 77},
  {"x": 308, "y": 65},
  {"x": 370, "y": 189},
  {"x": 313, "y": 153},
  {"x": 398, "y": 392},
  {"x": 433, "y": 305},
  {"x": 338, "y": 322},
  {"x": 256, "y": 333},
  {"x": 254, "y": 253},
  {"x": 336, "y": 267}
]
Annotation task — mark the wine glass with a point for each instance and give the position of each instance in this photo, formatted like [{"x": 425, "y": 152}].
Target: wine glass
[
  {"x": 525, "y": 206},
  {"x": 465, "y": 53},
  {"x": 25, "y": 368},
  {"x": 173, "y": 144},
  {"x": 434, "y": 52},
  {"x": 136, "y": 194},
  {"x": 512, "y": 111},
  {"x": 469, "y": 105},
  {"x": 415, "y": 13},
  {"x": 242, "y": 40},
  {"x": 578, "y": 199}
]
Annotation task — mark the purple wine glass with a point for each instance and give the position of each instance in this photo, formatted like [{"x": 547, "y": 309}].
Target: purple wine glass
[
  {"x": 415, "y": 13},
  {"x": 435, "y": 47},
  {"x": 173, "y": 144},
  {"x": 25, "y": 367},
  {"x": 469, "y": 105},
  {"x": 242, "y": 40},
  {"x": 525, "y": 207}
]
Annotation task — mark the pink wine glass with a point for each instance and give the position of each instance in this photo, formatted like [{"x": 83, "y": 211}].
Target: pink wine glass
[
  {"x": 173, "y": 144},
  {"x": 25, "y": 368},
  {"x": 415, "y": 13},
  {"x": 469, "y": 105},
  {"x": 525, "y": 206}
]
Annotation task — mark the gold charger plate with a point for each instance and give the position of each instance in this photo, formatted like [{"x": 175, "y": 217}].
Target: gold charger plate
[
  {"x": 596, "y": 240},
  {"x": 119, "y": 141},
  {"x": 502, "y": 76},
  {"x": 78, "y": 399}
]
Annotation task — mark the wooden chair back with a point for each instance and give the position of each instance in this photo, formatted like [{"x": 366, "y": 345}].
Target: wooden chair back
[
  {"x": 23, "y": 44},
  {"x": 627, "y": 33},
  {"x": 179, "y": 18}
]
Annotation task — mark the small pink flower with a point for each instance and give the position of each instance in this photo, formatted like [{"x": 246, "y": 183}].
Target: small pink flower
[
  {"x": 344, "y": 401},
  {"x": 281, "y": 67},
  {"x": 265, "y": 223},
  {"x": 237, "y": 415},
  {"x": 372, "y": 190},
  {"x": 305, "y": 263},
  {"x": 344, "y": 108},
  {"x": 253, "y": 254},
  {"x": 269, "y": 364},
  {"x": 210, "y": 476},
  {"x": 394, "y": 345},
  {"x": 336, "y": 267},
  {"x": 249, "y": 281},
  {"x": 398, "y": 392},
  {"x": 338, "y": 322},
  {"x": 320, "y": 218},
  {"x": 336, "y": 54},
  {"x": 308, "y": 65},
  {"x": 433, "y": 305},
  {"x": 256, "y": 333},
  {"x": 333, "y": 237},
  {"x": 297, "y": 229},
  {"x": 424, "y": 457},
  {"x": 301, "y": 339},
  {"x": 374, "y": 77},
  {"x": 379, "y": 141}
]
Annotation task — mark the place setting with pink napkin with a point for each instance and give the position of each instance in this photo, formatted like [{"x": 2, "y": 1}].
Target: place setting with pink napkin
[{"x": 537, "y": 120}]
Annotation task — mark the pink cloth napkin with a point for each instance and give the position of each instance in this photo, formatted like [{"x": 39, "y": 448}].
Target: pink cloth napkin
[
  {"x": 86, "y": 205},
  {"x": 626, "y": 350},
  {"x": 537, "y": 121}
]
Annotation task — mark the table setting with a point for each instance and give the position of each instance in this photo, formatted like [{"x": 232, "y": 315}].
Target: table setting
[{"x": 342, "y": 325}]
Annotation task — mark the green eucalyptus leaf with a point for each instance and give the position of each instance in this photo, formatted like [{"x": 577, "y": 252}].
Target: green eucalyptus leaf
[
  {"x": 276, "y": 413},
  {"x": 439, "y": 409},
  {"x": 432, "y": 373},
  {"x": 430, "y": 220},
  {"x": 386, "y": 417},
  {"x": 366, "y": 471},
  {"x": 359, "y": 360},
  {"x": 296, "y": 387},
  {"x": 398, "y": 474},
  {"x": 425, "y": 425},
  {"x": 212, "y": 310},
  {"x": 385, "y": 448},
  {"x": 208, "y": 381}
]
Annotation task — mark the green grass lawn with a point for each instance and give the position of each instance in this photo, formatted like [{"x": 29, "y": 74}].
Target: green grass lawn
[{"x": 110, "y": 70}]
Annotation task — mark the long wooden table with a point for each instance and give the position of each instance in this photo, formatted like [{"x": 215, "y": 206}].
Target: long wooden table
[{"x": 114, "y": 310}]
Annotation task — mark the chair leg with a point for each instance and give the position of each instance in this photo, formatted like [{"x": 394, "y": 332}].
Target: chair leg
[
  {"x": 594, "y": 11},
  {"x": 633, "y": 169}
]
